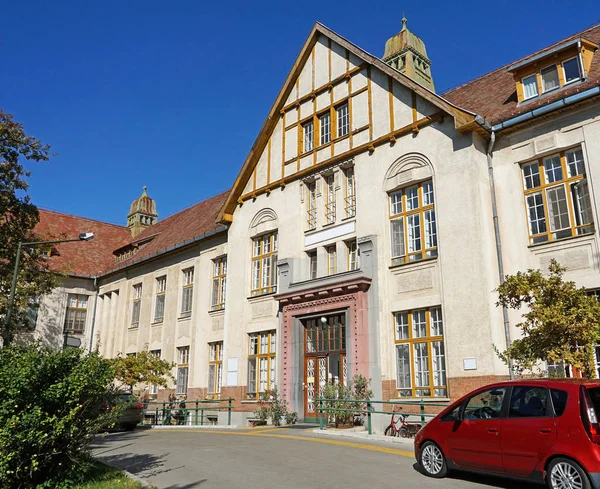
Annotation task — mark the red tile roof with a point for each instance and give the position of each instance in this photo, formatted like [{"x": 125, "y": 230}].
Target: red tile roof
[
  {"x": 96, "y": 257},
  {"x": 87, "y": 258},
  {"x": 184, "y": 226},
  {"x": 494, "y": 95}
]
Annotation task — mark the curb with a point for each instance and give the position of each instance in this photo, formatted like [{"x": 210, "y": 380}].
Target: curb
[
  {"x": 364, "y": 436},
  {"x": 143, "y": 482},
  {"x": 185, "y": 428}
]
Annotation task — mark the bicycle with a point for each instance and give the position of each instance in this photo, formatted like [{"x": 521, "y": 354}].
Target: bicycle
[{"x": 392, "y": 429}]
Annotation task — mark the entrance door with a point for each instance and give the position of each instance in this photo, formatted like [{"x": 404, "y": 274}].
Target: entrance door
[{"x": 324, "y": 359}]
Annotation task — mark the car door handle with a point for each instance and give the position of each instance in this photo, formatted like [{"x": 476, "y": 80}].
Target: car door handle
[
  {"x": 545, "y": 430},
  {"x": 493, "y": 430}
]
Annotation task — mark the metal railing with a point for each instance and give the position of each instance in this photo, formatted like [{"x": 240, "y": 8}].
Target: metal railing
[
  {"x": 365, "y": 408},
  {"x": 193, "y": 413}
]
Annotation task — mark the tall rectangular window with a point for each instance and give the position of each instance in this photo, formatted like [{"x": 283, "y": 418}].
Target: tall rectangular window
[
  {"x": 420, "y": 356},
  {"x": 312, "y": 264},
  {"x": 343, "y": 121},
  {"x": 137, "y": 304},
  {"x": 557, "y": 197},
  {"x": 330, "y": 199},
  {"x": 215, "y": 367},
  {"x": 311, "y": 205},
  {"x": 76, "y": 313},
  {"x": 352, "y": 255},
  {"x": 308, "y": 133},
  {"x": 412, "y": 222},
  {"x": 153, "y": 388},
  {"x": 331, "y": 260},
  {"x": 264, "y": 260},
  {"x": 219, "y": 283},
  {"x": 183, "y": 368},
  {"x": 159, "y": 304},
  {"x": 325, "y": 128},
  {"x": 187, "y": 292},
  {"x": 350, "y": 192},
  {"x": 261, "y": 362}
]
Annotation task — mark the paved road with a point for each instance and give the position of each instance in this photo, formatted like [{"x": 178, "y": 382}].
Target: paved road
[{"x": 273, "y": 458}]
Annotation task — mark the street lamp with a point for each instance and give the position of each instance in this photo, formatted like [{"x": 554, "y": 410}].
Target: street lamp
[{"x": 11, "y": 299}]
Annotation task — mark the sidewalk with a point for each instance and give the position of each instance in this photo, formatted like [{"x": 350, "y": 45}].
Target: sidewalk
[{"x": 407, "y": 443}]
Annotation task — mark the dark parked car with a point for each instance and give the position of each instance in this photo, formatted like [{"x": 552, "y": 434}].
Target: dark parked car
[
  {"x": 132, "y": 412},
  {"x": 540, "y": 429}
]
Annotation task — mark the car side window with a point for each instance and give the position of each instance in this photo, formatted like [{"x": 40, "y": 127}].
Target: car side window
[
  {"x": 528, "y": 402},
  {"x": 451, "y": 415},
  {"x": 559, "y": 401},
  {"x": 485, "y": 405}
]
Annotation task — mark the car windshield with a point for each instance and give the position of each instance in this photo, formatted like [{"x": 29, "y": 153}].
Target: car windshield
[{"x": 594, "y": 393}]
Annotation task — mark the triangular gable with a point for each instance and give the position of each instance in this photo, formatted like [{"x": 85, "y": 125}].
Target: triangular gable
[{"x": 464, "y": 120}]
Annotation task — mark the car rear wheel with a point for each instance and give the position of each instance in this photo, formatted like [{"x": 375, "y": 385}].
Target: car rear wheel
[
  {"x": 564, "y": 473},
  {"x": 432, "y": 460}
]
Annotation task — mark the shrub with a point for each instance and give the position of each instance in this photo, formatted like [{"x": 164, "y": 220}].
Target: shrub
[
  {"x": 272, "y": 406},
  {"x": 52, "y": 403}
]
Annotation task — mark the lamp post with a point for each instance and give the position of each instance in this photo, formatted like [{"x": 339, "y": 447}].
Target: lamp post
[{"x": 11, "y": 299}]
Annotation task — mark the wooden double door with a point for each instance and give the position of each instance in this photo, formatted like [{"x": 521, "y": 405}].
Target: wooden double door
[{"x": 324, "y": 359}]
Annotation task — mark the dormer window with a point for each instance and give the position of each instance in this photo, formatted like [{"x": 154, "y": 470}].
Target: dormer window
[
  {"x": 553, "y": 69},
  {"x": 571, "y": 70},
  {"x": 549, "y": 78},
  {"x": 530, "y": 88}
]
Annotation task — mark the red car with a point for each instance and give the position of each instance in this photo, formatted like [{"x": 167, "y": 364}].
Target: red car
[{"x": 544, "y": 430}]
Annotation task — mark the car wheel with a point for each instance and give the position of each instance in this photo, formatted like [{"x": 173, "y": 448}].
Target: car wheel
[
  {"x": 129, "y": 426},
  {"x": 432, "y": 460},
  {"x": 564, "y": 473}
]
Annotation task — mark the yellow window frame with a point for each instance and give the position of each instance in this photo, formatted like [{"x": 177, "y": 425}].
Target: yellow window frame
[
  {"x": 270, "y": 356},
  {"x": 259, "y": 258},
  {"x": 411, "y": 341}
]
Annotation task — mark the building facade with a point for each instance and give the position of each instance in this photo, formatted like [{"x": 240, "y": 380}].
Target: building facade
[{"x": 366, "y": 231}]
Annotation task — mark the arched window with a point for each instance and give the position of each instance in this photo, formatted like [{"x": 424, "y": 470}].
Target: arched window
[
  {"x": 263, "y": 230},
  {"x": 413, "y": 232}
]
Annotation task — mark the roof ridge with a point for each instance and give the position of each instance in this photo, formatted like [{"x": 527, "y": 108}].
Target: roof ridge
[
  {"x": 82, "y": 217},
  {"x": 193, "y": 205},
  {"x": 560, "y": 41}
]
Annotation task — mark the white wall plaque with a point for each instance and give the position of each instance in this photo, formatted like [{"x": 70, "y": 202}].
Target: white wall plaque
[{"x": 470, "y": 363}]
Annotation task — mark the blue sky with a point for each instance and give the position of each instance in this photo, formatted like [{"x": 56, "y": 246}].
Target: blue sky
[{"x": 172, "y": 94}]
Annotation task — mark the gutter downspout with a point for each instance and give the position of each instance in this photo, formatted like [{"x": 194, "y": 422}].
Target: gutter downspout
[
  {"x": 94, "y": 313},
  {"x": 498, "y": 244}
]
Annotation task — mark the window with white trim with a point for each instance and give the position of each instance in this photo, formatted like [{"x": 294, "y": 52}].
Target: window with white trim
[
  {"x": 557, "y": 197},
  {"x": 136, "y": 306},
  {"x": 325, "y": 128},
  {"x": 187, "y": 292},
  {"x": 215, "y": 367},
  {"x": 331, "y": 260},
  {"x": 571, "y": 70},
  {"x": 219, "y": 283},
  {"x": 261, "y": 362},
  {"x": 330, "y": 199},
  {"x": 312, "y": 264},
  {"x": 343, "y": 121},
  {"x": 153, "y": 388},
  {"x": 159, "y": 301},
  {"x": 76, "y": 313},
  {"x": 311, "y": 205},
  {"x": 350, "y": 192},
  {"x": 413, "y": 224},
  {"x": 264, "y": 260},
  {"x": 309, "y": 137},
  {"x": 420, "y": 355},
  {"x": 183, "y": 368},
  {"x": 353, "y": 263},
  {"x": 549, "y": 78}
]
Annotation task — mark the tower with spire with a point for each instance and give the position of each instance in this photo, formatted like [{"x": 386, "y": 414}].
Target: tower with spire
[
  {"x": 406, "y": 53},
  {"x": 142, "y": 214}
]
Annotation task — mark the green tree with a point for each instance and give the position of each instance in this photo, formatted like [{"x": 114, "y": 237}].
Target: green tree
[
  {"x": 142, "y": 368},
  {"x": 561, "y": 322},
  {"x": 52, "y": 403},
  {"x": 18, "y": 217}
]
